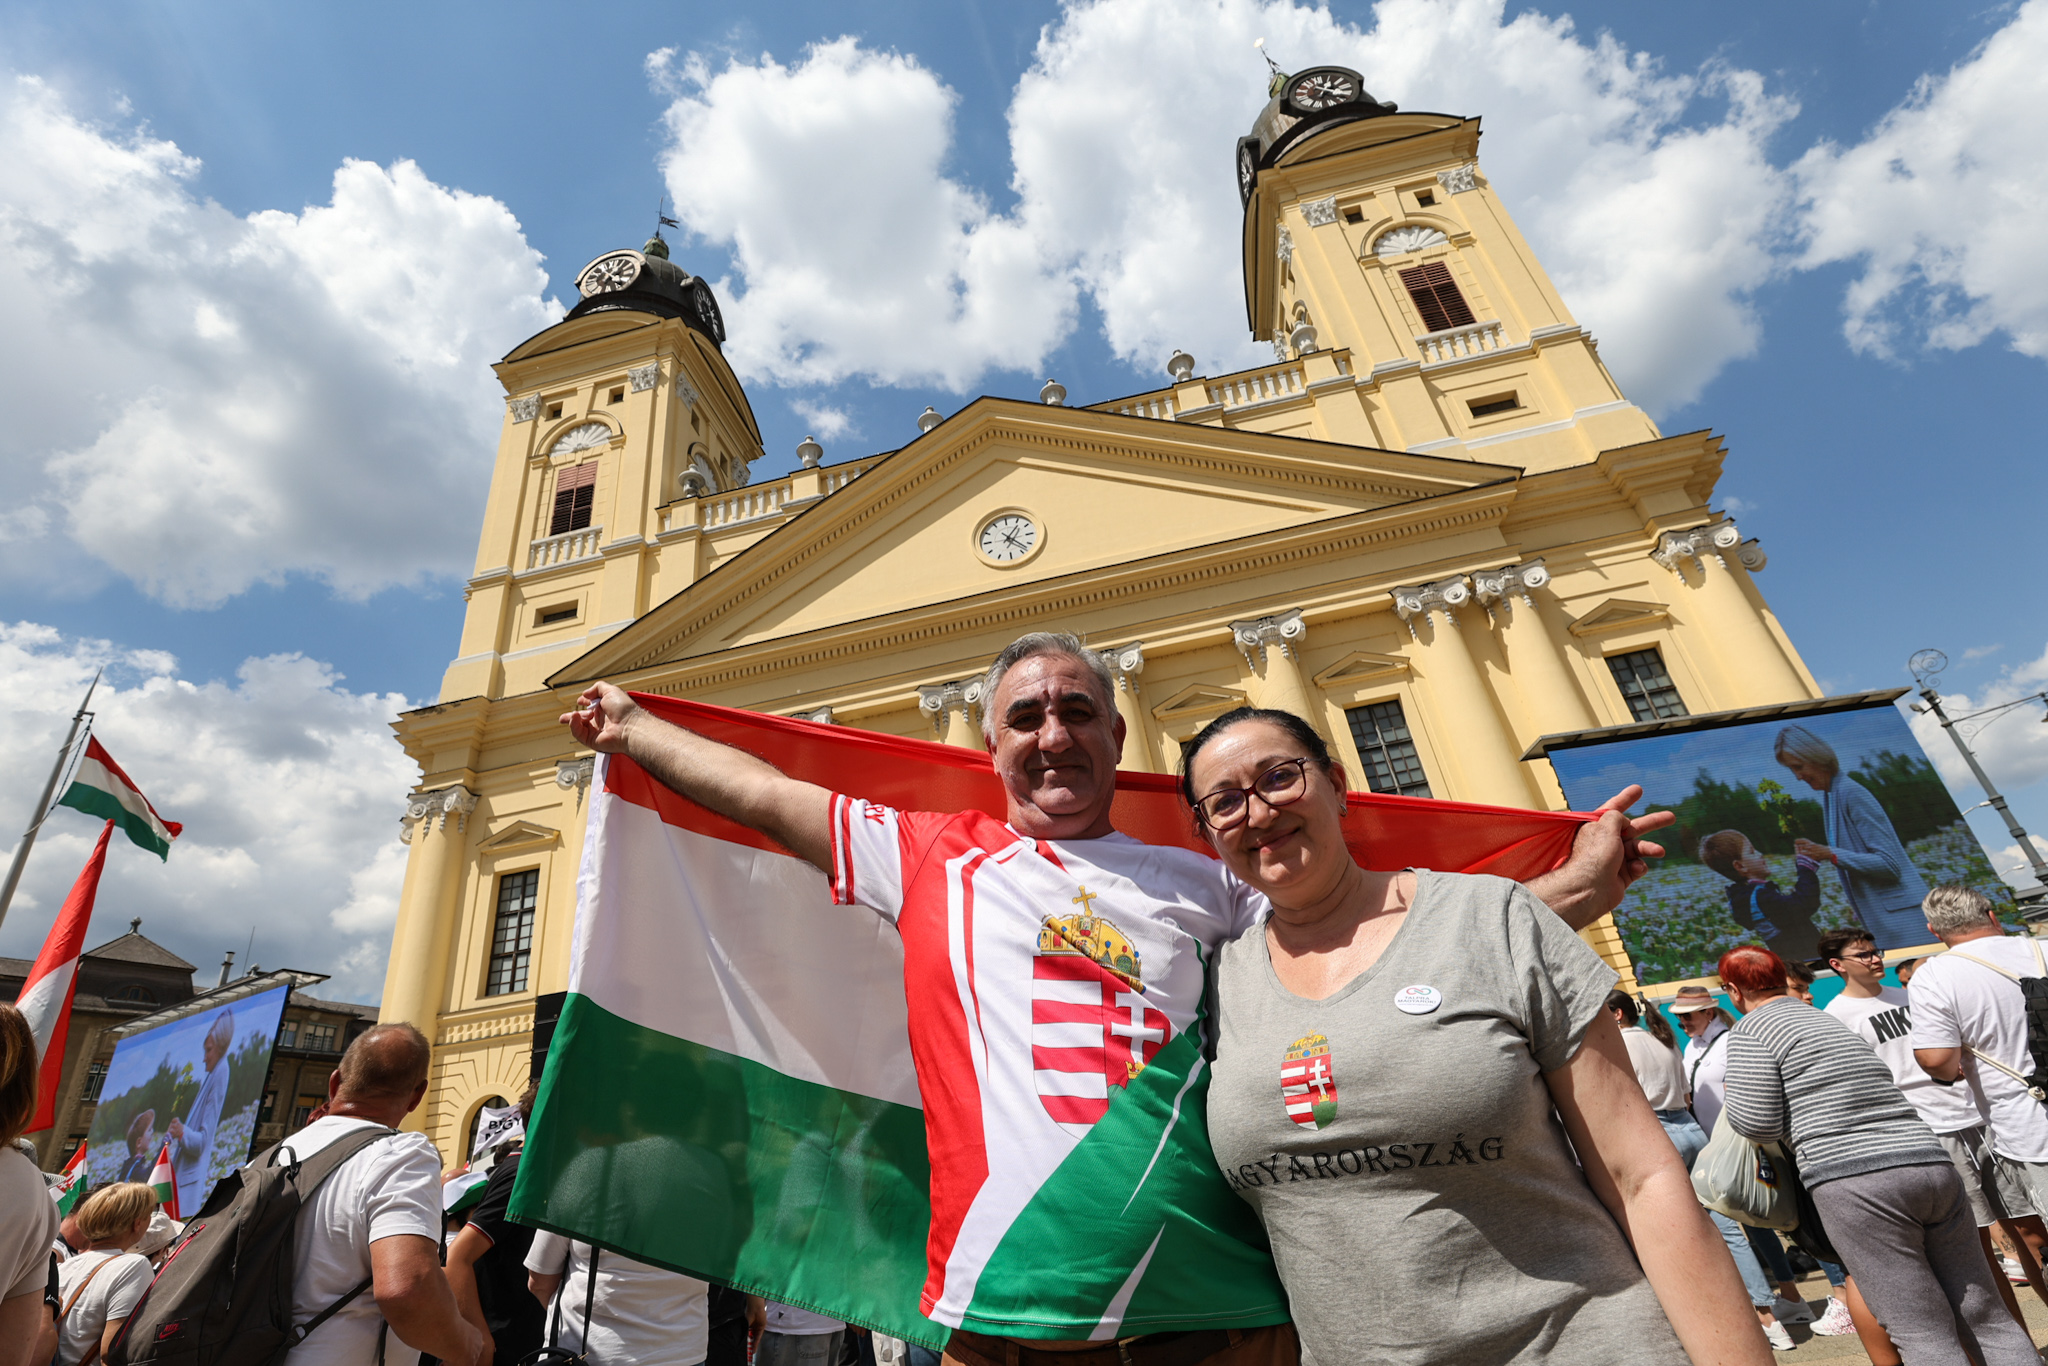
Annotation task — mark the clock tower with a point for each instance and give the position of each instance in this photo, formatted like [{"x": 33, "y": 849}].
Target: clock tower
[{"x": 1374, "y": 234}]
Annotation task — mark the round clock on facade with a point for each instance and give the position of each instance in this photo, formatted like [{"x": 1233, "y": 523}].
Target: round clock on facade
[
  {"x": 1314, "y": 91},
  {"x": 706, "y": 304},
  {"x": 1247, "y": 167},
  {"x": 610, "y": 273},
  {"x": 1008, "y": 537}
]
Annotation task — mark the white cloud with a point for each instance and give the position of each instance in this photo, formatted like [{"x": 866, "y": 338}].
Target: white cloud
[
  {"x": 2013, "y": 747},
  {"x": 1647, "y": 195},
  {"x": 827, "y": 422},
  {"x": 1942, "y": 205},
  {"x": 289, "y": 786},
  {"x": 203, "y": 401}
]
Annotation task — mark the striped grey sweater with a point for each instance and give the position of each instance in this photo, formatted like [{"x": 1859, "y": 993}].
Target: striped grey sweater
[{"x": 1794, "y": 1072}]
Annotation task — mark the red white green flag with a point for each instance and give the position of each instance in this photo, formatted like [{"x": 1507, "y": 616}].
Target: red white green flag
[
  {"x": 730, "y": 1090},
  {"x": 100, "y": 788},
  {"x": 71, "y": 1183},
  {"x": 52, "y": 981},
  {"x": 164, "y": 1181}
]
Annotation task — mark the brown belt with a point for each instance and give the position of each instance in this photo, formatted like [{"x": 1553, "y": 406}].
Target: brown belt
[{"x": 1156, "y": 1349}]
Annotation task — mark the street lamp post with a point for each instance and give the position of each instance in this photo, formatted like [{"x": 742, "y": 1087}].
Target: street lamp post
[{"x": 1925, "y": 665}]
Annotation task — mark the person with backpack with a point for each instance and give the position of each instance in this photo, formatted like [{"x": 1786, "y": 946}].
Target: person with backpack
[
  {"x": 100, "y": 1285},
  {"x": 1970, "y": 1023}
]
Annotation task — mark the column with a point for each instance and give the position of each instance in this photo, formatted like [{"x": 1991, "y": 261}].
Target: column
[
  {"x": 1533, "y": 642},
  {"x": 955, "y": 709},
  {"x": 414, "y": 982},
  {"x": 1269, "y": 646},
  {"x": 1753, "y": 665},
  {"x": 1141, "y": 752},
  {"x": 1486, "y": 754}
]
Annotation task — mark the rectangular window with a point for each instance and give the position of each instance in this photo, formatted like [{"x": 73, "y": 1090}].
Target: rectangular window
[
  {"x": 269, "y": 1106},
  {"x": 302, "y": 1112},
  {"x": 288, "y": 1034},
  {"x": 317, "y": 1038},
  {"x": 549, "y": 616},
  {"x": 1499, "y": 403},
  {"x": 95, "y": 1078},
  {"x": 1436, "y": 297},
  {"x": 1425, "y": 198},
  {"x": 512, "y": 936},
  {"x": 1380, "y": 730},
  {"x": 575, "y": 495},
  {"x": 1646, "y": 686},
  {"x": 618, "y": 396}
]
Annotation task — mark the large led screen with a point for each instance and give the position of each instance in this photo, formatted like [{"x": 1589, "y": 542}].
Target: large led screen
[
  {"x": 195, "y": 1082},
  {"x": 1786, "y": 828}
]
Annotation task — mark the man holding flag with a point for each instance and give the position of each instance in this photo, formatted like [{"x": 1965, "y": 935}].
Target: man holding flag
[{"x": 1051, "y": 962}]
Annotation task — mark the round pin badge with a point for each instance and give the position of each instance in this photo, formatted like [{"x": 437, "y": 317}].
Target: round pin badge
[{"x": 1417, "y": 1000}]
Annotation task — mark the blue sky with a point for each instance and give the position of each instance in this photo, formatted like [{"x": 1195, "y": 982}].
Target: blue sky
[{"x": 262, "y": 257}]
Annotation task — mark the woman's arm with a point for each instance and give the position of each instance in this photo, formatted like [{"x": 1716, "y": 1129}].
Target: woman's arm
[
  {"x": 1636, "y": 1173},
  {"x": 1753, "y": 1096}
]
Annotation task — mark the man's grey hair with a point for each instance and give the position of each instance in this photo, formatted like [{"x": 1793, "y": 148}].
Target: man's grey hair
[
  {"x": 1797, "y": 742},
  {"x": 1952, "y": 907},
  {"x": 222, "y": 1030},
  {"x": 1041, "y": 643}
]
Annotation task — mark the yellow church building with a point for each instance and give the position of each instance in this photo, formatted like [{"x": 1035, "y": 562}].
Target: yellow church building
[{"x": 1433, "y": 524}]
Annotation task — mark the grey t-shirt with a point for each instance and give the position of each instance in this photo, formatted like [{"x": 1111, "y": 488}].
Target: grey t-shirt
[{"x": 1421, "y": 1196}]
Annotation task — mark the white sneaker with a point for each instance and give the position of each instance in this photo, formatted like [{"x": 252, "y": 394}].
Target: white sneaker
[
  {"x": 2014, "y": 1272},
  {"x": 1792, "y": 1311},
  {"x": 1781, "y": 1341},
  {"x": 1835, "y": 1322}
]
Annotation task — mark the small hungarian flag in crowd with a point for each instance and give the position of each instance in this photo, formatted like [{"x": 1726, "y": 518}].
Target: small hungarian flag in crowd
[
  {"x": 164, "y": 1181},
  {"x": 730, "y": 1090},
  {"x": 45, "y": 999},
  {"x": 463, "y": 1190},
  {"x": 70, "y": 1187},
  {"x": 101, "y": 789}
]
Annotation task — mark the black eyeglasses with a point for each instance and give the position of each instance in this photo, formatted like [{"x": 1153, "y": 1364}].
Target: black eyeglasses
[
  {"x": 1279, "y": 785},
  {"x": 1867, "y": 956}
]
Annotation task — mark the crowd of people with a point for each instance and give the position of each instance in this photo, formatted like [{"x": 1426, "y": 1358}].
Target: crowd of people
[{"x": 1547, "y": 1186}]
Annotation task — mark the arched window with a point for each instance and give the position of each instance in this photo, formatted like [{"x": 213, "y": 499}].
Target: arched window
[{"x": 476, "y": 1117}]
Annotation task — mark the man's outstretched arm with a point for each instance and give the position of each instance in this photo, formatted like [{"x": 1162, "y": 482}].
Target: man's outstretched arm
[
  {"x": 1607, "y": 856},
  {"x": 732, "y": 782}
]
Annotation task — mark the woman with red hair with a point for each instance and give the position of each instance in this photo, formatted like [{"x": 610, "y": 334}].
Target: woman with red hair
[{"x": 1890, "y": 1202}]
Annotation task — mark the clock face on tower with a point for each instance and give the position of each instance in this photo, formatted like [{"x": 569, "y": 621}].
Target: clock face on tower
[
  {"x": 1007, "y": 538},
  {"x": 707, "y": 309},
  {"x": 608, "y": 274},
  {"x": 1247, "y": 168},
  {"x": 1314, "y": 91}
]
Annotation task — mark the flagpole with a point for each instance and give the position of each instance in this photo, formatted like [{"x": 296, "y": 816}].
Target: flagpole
[{"x": 28, "y": 837}]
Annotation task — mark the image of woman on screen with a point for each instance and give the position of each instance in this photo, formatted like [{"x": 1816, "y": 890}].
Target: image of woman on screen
[
  {"x": 1883, "y": 886},
  {"x": 192, "y": 1137}
]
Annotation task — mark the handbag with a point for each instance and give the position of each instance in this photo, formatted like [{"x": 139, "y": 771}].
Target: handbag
[
  {"x": 1745, "y": 1180},
  {"x": 554, "y": 1354}
]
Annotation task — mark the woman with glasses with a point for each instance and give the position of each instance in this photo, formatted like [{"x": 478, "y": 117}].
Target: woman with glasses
[{"x": 1405, "y": 1064}]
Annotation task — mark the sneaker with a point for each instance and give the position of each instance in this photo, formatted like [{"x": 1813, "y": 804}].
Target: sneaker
[
  {"x": 1792, "y": 1311},
  {"x": 1781, "y": 1341},
  {"x": 1835, "y": 1322},
  {"x": 2014, "y": 1272}
]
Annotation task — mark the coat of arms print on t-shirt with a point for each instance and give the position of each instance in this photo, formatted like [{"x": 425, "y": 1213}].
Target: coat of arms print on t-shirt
[
  {"x": 1091, "y": 1028},
  {"x": 1308, "y": 1082}
]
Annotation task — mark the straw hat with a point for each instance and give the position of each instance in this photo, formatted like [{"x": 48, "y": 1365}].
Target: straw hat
[{"x": 1690, "y": 999}]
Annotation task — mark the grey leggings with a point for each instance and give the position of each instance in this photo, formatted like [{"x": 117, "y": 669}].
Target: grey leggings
[{"x": 1907, "y": 1236}]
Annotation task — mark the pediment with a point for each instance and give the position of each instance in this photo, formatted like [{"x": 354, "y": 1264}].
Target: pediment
[
  {"x": 517, "y": 836},
  {"x": 1361, "y": 666},
  {"x": 1619, "y": 614},
  {"x": 1101, "y": 491},
  {"x": 1200, "y": 700}
]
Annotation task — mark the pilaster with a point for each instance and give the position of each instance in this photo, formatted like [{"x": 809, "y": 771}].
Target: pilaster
[
  {"x": 1270, "y": 645},
  {"x": 955, "y": 711},
  {"x": 1485, "y": 745}
]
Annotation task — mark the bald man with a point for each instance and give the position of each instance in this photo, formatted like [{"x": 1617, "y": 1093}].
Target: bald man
[{"x": 378, "y": 1218}]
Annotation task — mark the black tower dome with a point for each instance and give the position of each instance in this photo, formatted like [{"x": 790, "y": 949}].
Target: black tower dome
[
  {"x": 646, "y": 281},
  {"x": 1303, "y": 105}
]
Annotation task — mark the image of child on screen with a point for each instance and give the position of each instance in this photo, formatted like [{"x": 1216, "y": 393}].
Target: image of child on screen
[
  {"x": 142, "y": 1148},
  {"x": 192, "y": 1137},
  {"x": 1782, "y": 921},
  {"x": 1882, "y": 885}
]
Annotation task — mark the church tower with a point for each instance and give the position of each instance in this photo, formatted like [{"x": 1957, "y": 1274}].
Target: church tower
[
  {"x": 619, "y": 421},
  {"x": 1374, "y": 235}
]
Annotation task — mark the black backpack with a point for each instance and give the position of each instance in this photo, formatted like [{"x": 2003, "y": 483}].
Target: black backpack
[
  {"x": 2034, "y": 991},
  {"x": 224, "y": 1295}
]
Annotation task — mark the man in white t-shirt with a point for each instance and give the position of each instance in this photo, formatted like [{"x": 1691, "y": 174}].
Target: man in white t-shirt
[
  {"x": 998, "y": 1121},
  {"x": 377, "y": 1218},
  {"x": 797, "y": 1337},
  {"x": 1967, "y": 1004},
  {"x": 635, "y": 1314}
]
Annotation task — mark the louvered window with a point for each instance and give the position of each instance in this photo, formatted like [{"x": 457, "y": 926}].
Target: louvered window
[
  {"x": 1436, "y": 296},
  {"x": 575, "y": 495}
]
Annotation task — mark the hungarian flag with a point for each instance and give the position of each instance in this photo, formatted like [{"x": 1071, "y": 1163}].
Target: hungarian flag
[
  {"x": 164, "y": 1181},
  {"x": 100, "y": 788},
  {"x": 463, "y": 1190},
  {"x": 730, "y": 1092},
  {"x": 46, "y": 996},
  {"x": 71, "y": 1183}
]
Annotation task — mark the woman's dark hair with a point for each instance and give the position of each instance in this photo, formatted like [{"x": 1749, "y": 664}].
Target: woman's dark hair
[
  {"x": 1625, "y": 1003},
  {"x": 1302, "y": 731},
  {"x": 17, "y": 1073},
  {"x": 1659, "y": 1025}
]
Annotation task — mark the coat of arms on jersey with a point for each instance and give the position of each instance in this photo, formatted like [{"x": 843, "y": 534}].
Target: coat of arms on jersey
[
  {"x": 1091, "y": 1027},
  {"x": 1308, "y": 1083}
]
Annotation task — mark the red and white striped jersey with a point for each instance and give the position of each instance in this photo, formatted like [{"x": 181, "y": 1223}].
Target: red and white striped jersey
[{"x": 1041, "y": 976}]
